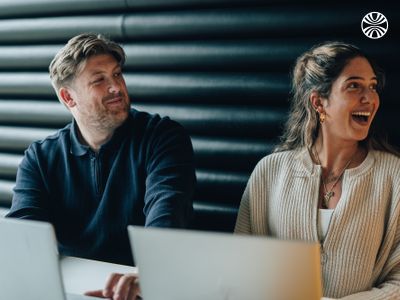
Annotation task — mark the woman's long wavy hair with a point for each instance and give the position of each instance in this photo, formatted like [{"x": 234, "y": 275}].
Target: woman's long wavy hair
[{"x": 315, "y": 71}]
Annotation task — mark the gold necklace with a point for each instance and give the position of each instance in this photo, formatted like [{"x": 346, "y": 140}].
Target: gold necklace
[{"x": 329, "y": 194}]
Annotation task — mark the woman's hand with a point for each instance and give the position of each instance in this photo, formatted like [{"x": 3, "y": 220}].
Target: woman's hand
[{"x": 119, "y": 287}]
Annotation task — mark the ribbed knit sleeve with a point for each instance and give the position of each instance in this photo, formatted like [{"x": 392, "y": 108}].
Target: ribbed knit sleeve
[
  {"x": 243, "y": 220},
  {"x": 389, "y": 286},
  {"x": 252, "y": 218}
]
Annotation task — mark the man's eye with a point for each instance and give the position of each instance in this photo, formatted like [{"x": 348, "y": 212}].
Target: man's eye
[
  {"x": 98, "y": 80},
  {"x": 118, "y": 74}
]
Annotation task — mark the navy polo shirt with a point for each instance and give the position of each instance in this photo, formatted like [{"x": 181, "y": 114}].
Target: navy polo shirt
[{"x": 143, "y": 176}]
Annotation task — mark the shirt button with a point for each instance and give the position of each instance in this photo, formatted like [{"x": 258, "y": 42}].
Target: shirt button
[{"x": 324, "y": 258}]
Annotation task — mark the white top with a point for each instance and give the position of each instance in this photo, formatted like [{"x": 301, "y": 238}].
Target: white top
[{"x": 324, "y": 219}]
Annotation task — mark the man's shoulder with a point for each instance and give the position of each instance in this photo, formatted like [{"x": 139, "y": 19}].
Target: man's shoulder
[
  {"x": 58, "y": 139},
  {"x": 147, "y": 117},
  {"x": 154, "y": 133},
  {"x": 149, "y": 122}
]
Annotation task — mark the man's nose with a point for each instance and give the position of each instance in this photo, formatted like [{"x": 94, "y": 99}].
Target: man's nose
[{"x": 114, "y": 86}]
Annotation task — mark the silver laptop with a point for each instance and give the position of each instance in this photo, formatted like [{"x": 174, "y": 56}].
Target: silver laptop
[
  {"x": 29, "y": 263},
  {"x": 181, "y": 264}
]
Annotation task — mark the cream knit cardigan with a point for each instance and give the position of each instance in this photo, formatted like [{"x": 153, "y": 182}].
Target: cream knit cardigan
[{"x": 360, "y": 256}]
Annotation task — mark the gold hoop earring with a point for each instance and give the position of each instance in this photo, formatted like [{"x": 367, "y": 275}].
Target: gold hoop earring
[{"x": 322, "y": 117}]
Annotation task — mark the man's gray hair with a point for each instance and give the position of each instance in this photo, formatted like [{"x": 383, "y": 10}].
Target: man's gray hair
[{"x": 67, "y": 62}]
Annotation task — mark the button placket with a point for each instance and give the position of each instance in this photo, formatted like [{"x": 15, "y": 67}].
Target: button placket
[{"x": 324, "y": 256}]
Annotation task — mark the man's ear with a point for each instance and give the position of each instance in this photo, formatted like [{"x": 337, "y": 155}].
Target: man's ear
[
  {"x": 66, "y": 97},
  {"x": 316, "y": 102}
]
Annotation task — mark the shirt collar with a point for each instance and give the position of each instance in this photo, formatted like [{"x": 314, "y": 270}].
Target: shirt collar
[
  {"x": 119, "y": 134},
  {"x": 78, "y": 149}
]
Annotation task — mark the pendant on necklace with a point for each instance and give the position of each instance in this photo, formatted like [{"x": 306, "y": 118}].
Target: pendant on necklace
[{"x": 328, "y": 196}]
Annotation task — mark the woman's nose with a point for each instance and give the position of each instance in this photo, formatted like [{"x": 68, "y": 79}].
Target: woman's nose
[{"x": 369, "y": 96}]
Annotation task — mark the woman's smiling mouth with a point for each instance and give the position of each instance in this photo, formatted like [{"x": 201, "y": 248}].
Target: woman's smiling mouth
[{"x": 361, "y": 117}]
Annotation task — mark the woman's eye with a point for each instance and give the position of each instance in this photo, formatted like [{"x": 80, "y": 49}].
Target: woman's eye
[
  {"x": 353, "y": 85},
  {"x": 374, "y": 87}
]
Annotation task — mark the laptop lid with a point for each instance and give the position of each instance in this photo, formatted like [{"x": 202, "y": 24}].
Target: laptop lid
[
  {"x": 181, "y": 264},
  {"x": 29, "y": 264}
]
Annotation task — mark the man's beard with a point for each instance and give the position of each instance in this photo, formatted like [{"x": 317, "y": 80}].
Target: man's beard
[{"x": 106, "y": 120}]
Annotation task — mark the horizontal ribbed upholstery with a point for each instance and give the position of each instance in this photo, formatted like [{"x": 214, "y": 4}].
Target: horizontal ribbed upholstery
[{"x": 219, "y": 67}]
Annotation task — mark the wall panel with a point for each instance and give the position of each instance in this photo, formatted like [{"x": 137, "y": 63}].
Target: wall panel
[{"x": 219, "y": 67}]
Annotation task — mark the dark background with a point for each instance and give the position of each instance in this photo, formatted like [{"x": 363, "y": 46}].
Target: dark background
[{"x": 220, "y": 67}]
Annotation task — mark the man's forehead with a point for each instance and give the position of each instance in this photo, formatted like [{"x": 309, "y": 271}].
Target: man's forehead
[{"x": 98, "y": 64}]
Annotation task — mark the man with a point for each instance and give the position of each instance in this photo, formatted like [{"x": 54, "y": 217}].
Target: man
[{"x": 110, "y": 167}]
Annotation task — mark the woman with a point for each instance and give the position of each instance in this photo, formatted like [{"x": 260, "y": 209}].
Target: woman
[{"x": 331, "y": 180}]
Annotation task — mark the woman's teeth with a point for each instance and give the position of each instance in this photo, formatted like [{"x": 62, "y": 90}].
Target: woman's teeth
[{"x": 361, "y": 115}]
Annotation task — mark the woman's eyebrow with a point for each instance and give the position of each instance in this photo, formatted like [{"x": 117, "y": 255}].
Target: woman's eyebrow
[{"x": 360, "y": 78}]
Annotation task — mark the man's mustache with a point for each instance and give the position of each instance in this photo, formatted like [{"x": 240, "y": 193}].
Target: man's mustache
[{"x": 112, "y": 96}]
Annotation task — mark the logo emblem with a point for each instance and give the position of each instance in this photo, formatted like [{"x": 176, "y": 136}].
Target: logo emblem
[{"x": 374, "y": 25}]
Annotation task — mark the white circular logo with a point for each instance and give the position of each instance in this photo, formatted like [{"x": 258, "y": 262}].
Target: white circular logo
[{"x": 374, "y": 25}]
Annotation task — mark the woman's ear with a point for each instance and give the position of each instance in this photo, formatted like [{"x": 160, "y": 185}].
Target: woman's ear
[
  {"x": 66, "y": 97},
  {"x": 316, "y": 102}
]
